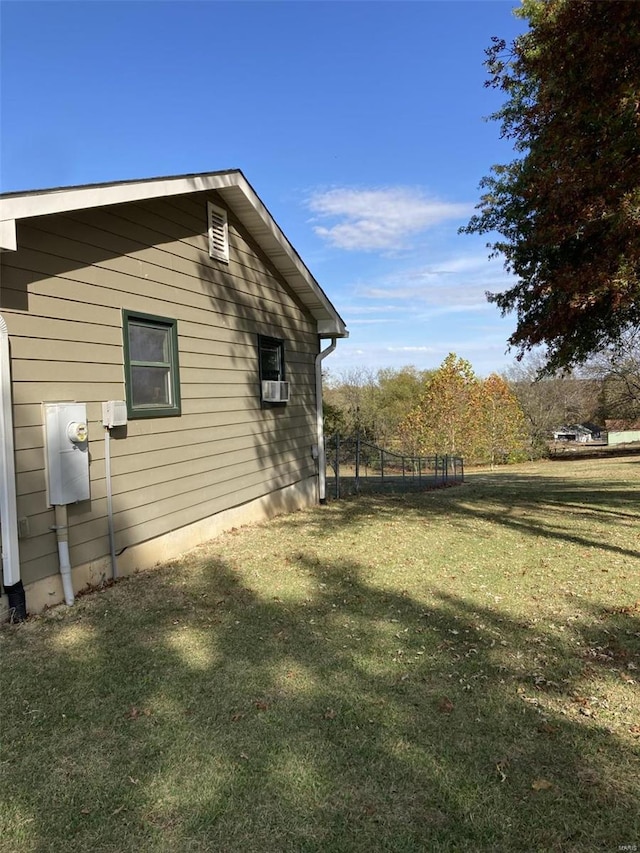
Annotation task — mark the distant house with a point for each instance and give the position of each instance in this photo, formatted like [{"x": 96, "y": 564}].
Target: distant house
[
  {"x": 582, "y": 433},
  {"x": 160, "y": 375},
  {"x": 623, "y": 431}
]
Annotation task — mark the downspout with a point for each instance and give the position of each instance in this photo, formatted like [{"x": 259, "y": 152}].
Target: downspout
[
  {"x": 8, "y": 502},
  {"x": 322, "y": 459}
]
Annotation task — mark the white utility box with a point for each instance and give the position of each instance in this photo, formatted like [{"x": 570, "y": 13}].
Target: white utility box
[
  {"x": 66, "y": 452},
  {"x": 114, "y": 414}
]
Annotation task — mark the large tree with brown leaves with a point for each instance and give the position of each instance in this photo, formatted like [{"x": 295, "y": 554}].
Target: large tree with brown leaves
[{"x": 568, "y": 208}]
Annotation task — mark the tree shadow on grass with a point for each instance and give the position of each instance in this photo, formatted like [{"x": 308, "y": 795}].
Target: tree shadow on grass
[
  {"x": 526, "y": 504},
  {"x": 182, "y": 710}
]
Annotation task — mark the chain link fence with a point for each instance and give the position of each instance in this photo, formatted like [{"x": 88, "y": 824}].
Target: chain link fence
[{"x": 355, "y": 466}]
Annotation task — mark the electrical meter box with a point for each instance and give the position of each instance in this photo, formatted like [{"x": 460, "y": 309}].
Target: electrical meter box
[{"x": 66, "y": 452}]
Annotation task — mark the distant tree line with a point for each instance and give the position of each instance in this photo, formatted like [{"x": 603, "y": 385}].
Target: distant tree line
[{"x": 493, "y": 420}]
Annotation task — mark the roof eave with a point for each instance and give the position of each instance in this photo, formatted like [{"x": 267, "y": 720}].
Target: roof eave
[{"x": 234, "y": 189}]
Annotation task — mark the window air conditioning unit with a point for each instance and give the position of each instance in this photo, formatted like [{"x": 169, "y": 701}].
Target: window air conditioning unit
[{"x": 275, "y": 392}]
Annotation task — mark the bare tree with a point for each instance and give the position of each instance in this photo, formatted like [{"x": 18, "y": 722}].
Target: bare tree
[
  {"x": 552, "y": 401},
  {"x": 617, "y": 369}
]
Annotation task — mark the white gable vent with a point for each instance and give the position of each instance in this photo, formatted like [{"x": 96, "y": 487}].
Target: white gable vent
[
  {"x": 275, "y": 392},
  {"x": 218, "y": 233}
]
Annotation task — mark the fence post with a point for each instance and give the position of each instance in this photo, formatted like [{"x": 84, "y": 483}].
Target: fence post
[
  {"x": 337, "y": 465},
  {"x": 358, "y": 461},
  {"x": 446, "y": 469},
  {"x": 381, "y": 464}
]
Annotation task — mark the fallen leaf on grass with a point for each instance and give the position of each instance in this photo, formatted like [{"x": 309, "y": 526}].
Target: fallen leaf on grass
[
  {"x": 541, "y": 785},
  {"x": 236, "y": 717},
  {"x": 85, "y": 811},
  {"x": 548, "y": 729},
  {"x": 329, "y": 714},
  {"x": 118, "y": 810},
  {"x": 135, "y": 713},
  {"x": 635, "y": 730},
  {"x": 445, "y": 705},
  {"x": 262, "y": 706}
]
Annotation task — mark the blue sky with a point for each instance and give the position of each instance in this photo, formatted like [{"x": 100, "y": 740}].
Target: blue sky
[{"x": 360, "y": 125}]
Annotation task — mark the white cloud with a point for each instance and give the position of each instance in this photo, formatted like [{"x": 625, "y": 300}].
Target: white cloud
[
  {"x": 454, "y": 285},
  {"x": 380, "y": 219},
  {"x": 485, "y": 352}
]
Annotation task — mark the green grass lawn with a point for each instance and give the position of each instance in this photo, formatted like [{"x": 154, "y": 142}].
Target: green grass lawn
[{"x": 455, "y": 670}]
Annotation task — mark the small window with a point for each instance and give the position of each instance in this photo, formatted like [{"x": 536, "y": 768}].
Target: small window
[
  {"x": 271, "y": 358},
  {"x": 152, "y": 377},
  {"x": 218, "y": 233},
  {"x": 272, "y": 370}
]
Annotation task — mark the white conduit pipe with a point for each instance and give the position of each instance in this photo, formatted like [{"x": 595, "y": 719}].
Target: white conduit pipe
[
  {"x": 62, "y": 536},
  {"x": 322, "y": 460},
  {"x": 107, "y": 469},
  {"x": 8, "y": 503}
]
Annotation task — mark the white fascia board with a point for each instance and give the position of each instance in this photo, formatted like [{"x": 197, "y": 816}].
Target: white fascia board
[
  {"x": 8, "y": 239},
  {"x": 23, "y": 206}
]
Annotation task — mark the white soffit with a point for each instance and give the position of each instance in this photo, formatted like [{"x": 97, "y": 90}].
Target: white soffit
[{"x": 232, "y": 186}]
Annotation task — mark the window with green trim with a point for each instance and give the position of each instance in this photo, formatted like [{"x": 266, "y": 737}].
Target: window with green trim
[{"x": 152, "y": 375}]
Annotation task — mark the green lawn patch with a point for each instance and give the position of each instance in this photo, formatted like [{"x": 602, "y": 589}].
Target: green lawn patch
[{"x": 439, "y": 671}]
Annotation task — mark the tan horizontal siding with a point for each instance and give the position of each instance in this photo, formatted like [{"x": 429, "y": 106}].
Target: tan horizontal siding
[
  {"x": 39, "y": 558},
  {"x": 62, "y": 297},
  {"x": 55, "y": 350},
  {"x": 203, "y": 441},
  {"x": 30, "y": 483},
  {"x": 200, "y": 428},
  {"x": 27, "y": 416},
  {"x": 53, "y": 371},
  {"x": 188, "y": 469},
  {"x": 29, "y": 326},
  {"x": 36, "y": 392},
  {"x": 106, "y": 229},
  {"x": 186, "y": 278},
  {"x": 28, "y": 437},
  {"x": 92, "y": 246},
  {"x": 102, "y": 286}
]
